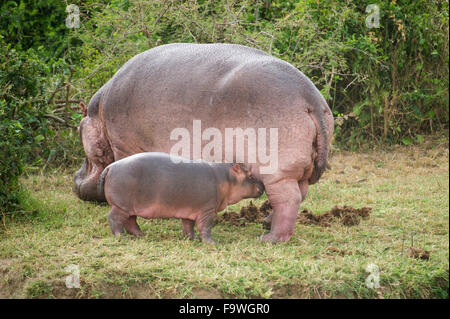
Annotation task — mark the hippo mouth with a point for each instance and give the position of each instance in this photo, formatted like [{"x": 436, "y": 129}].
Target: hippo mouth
[{"x": 85, "y": 183}]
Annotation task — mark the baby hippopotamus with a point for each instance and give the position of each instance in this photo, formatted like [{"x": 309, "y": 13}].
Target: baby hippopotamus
[{"x": 158, "y": 185}]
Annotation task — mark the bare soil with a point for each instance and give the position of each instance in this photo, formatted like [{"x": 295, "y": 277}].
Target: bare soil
[
  {"x": 418, "y": 253},
  {"x": 345, "y": 215},
  {"x": 248, "y": 214}
]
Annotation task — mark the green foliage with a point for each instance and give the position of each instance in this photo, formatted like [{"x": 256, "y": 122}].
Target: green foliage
[
  {"x": 25, "y": 24},
  {"x": 22, "y": 125}
]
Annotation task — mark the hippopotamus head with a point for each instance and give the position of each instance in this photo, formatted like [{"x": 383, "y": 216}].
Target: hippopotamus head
[
  {"x": 98, "y": 156},
  {"x": 243, "y": 184}
]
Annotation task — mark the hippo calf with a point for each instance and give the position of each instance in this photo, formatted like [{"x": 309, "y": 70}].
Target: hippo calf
[{"x": 158, "y": 185}]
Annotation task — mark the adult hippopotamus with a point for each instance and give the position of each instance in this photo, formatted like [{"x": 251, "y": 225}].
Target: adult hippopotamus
[
  {"x": 225, "y": 86},
  {"x": 157, "y": 185}
]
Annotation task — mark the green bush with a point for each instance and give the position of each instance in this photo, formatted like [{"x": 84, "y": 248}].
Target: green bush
[
  {"x": 26, "y": 24},
  {"x": 23, "y": 127}
]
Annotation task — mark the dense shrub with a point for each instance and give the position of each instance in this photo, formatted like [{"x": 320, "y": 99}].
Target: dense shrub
[
  {"x": 23, "y": 126},
  {"x": 26, "y": 24}
]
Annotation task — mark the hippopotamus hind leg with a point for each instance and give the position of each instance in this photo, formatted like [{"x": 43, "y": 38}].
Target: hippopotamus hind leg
[
  {"x": 132, "y": 227},
  {"x": 188, "y": 228},
  {"x": 285, "y": 197},
  {"x": 303, "y": 185},
  {"x": 117, "y": 219}
]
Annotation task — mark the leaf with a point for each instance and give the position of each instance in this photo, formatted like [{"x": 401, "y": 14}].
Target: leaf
[
  {"x": 407, "y": 141},
  {"x": 358, "y": 107},
  {"x": 419, "y": 138},
  {"x": 430, "y": 114},
  {"x": 38, "y": 138}
]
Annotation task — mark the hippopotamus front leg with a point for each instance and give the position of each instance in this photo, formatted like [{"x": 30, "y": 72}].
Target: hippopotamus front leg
[
  {"x": 204, "y": 224},
  {"x": 285, "y": 197},
  {"x": 188, "y": 228}
]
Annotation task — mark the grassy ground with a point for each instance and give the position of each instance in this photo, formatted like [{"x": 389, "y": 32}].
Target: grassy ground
[{"x": 407, "y": 188}]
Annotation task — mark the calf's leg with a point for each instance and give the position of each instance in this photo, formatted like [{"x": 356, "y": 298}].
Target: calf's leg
[
  {"x": 132, "y": 227},
  {"x": 204, "y": 224},
  {"x": 117, "y": 219},
  {"x": 188, "y": 228}
]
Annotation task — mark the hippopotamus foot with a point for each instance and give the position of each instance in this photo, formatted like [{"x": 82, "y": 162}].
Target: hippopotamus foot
[
  {"x": 204, "y": 223},
  {"x": 132, "y": 227},
  {"x": 116, "y": 219},
  {"x": 120, "y": 220},
  {"x": 285, "y": 197},
  {"x": 188, "y": 228}
]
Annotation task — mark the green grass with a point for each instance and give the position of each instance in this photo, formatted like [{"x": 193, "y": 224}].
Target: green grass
[{"x": 408, "y": 191}]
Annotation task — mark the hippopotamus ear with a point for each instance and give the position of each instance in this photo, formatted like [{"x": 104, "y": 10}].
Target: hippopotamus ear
[{"x": 83, "y": 109}]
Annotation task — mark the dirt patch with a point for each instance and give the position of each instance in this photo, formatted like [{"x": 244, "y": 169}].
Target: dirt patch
[
  {"x": 300, "y": 291},
  {"x": 11, "y": 282},
  {"x": 345, "y": 215},
  {"x": 418, "y": 253},
  {"x": 138, "y": 290},
  {"x": 293, "y": 291},
  {"x": 56, "y": 289},
  {"x": 203, "y": 293},
  {"x": 266, "y": 208},
  {"x": 248, "y": 214},
  {"x": 42, "y": 289}
]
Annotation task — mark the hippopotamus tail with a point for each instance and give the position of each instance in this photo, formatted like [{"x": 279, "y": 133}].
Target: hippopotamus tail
[
  {"x": 101, "y": 181},
  {"x": 321, "y": 144}
]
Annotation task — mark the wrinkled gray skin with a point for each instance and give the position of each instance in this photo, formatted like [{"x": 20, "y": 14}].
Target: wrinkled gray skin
[
  {"x": 152, "y": 185},
  {"x": 224, "y": 86}
]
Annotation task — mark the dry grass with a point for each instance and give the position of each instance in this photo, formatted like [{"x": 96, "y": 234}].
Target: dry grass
[{"x": 407, "y": 188}]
